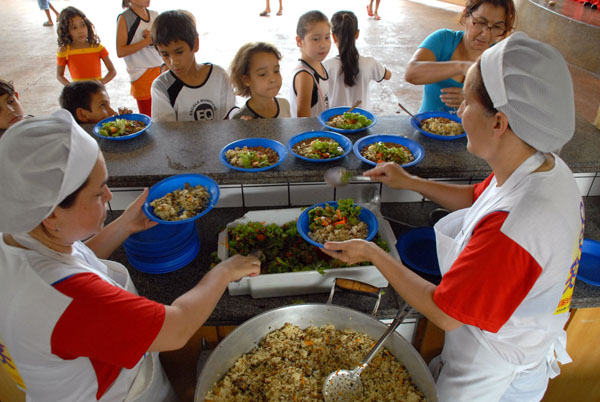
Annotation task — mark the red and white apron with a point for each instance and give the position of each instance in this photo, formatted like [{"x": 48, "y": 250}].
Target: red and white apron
[
  {"x": 144, "y": 382},
  {"x": 473, "y": 366}
]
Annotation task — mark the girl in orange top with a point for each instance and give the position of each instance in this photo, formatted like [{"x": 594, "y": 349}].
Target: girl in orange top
[{"x": 80, "y": 49}]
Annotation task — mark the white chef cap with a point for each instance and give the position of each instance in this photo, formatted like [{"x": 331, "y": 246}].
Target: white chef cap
[
  {"x": 42, "y": 160},
  {"x": 530, "y": 83}
]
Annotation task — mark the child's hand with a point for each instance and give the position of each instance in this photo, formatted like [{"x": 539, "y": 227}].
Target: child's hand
[
  {"x": 246, "y": 118},
  {"x": 147, "y": 37},
  {"x": 124, "y": 110}
]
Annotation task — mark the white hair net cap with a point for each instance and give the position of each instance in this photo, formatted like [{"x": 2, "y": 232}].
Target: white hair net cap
[
  {"x": 530, "y": 83},
  {"x": 42, "y": 160}
]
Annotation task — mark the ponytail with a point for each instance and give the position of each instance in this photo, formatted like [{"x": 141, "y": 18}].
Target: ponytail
[{"x": 345, "y": 27}]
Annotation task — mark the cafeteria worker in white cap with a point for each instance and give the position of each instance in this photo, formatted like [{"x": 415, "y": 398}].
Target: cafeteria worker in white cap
[
  {"x": 72, "y": 327},
  {"x": 509, "y": 251}
]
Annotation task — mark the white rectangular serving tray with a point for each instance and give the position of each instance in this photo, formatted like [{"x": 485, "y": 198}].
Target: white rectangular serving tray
[{"x": 305, "y": 282}]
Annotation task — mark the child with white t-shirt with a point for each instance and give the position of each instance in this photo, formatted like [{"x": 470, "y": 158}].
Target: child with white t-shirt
[
  {"x": 188, "y": 91},
  {"x": 349, "y": 72}
]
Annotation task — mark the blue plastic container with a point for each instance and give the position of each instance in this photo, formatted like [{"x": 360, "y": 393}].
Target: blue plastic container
[
  {"x": 414, "y": 147},
  {"x": 161, "y": 267},
  {"x": 417, "y": 249},
  {"x": 177, "y": 182},
  {"x": 329, "y": 113},
  {"x": 344, "y": 142},
  {"x": 427, "y": 115},
  {"x": 254, "y": 142},
  {"x": 365, "y": 215},
  {"x": 131, "y": 116},
  {"x": 589, "y": 266}
]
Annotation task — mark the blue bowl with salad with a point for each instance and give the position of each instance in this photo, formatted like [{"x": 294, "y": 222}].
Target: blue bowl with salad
[
  {"x": 260, "y": 154},
  {"x": 122, "y": 127},
  {"x": 336, "y": 119},
  {"x": 317, "y": 220},
  {"x": 313, "y": 146},
  {"x": 378, "y": 148}
]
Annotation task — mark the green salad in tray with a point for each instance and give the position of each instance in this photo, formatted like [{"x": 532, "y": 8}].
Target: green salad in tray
[
  {"x": 349, "y": 121},
  {"x": 282, "y": 249},
  {"x": 121, "y": 127}
]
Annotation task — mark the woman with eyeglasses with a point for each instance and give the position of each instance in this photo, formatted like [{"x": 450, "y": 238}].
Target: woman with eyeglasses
[
  {"x": 510, "y": 249},
  {"x": 442, "y": 60}
]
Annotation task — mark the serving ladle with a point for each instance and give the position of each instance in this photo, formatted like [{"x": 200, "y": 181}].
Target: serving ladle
[
  {"x": 339, "y": 176},
  {"x": 345, "y": 385}
]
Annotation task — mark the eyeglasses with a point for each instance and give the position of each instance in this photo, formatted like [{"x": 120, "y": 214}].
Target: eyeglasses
[{"x": 481, "y": 24}]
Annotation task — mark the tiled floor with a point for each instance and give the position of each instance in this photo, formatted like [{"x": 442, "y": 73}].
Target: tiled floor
[{"x": 28, "y": 49}]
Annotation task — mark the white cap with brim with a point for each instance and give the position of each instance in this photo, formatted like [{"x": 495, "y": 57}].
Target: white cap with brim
[
  {"x": 530, "y": 83},
  {"x": 42, "y": 160}
]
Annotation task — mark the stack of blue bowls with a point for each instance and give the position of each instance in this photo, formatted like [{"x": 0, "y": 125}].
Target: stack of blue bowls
[{"x": 163, "y": 248}]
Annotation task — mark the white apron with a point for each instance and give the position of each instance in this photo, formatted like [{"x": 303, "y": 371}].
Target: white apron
[
  {"x": 146, "y": 382},
  {"x": 469, "y": 369}
]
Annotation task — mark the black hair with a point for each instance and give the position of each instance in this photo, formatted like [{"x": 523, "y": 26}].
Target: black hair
[
  {"x": 307, "y": 20},
  {"x": 65, "y": 17},
  {"x": 344, "y": 25},
  {"x": 172, "y": 26},
  {"x": 6, "y": 87},
  {"x": 78, "y": 94},
  {"x": 70, "y": 199}
]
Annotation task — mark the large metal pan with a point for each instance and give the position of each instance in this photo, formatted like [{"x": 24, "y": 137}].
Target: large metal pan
[{"x": 251, "y": 332}]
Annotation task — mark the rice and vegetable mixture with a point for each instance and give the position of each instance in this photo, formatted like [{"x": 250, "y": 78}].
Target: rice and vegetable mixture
[
  {"x": 121, "y": 127},
  {"x": 442, "y": 126},
  {"x": 337, "y": 224},
  {"x": 319, "y": 148},
  {"x": 251, "y": 157},
  {"x": 181, "y": 204},
  {"x": 291, "y": 364},
  {"x": 349, "y": 121},
  {"x": 387, "y": 152}
]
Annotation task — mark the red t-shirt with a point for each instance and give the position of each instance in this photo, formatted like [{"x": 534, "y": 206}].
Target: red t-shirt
[
  {"x": 108, "y": 325},
  {"x": 491, "y": 276}
]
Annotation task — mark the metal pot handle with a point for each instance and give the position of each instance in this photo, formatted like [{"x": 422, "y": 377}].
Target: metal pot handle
[{"x": 356, "y": 287}]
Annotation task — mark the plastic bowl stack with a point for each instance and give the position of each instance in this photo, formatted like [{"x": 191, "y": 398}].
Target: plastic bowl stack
[{"x": 163, "y": 248}]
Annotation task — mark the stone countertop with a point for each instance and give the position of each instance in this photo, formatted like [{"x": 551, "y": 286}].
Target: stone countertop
[
  {"x": 233, "y": 310},
  {"x": 193, "y": 147}
]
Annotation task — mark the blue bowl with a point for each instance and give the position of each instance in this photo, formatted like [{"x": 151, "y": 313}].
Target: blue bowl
[
  {"x": 344, "y": 142},
  {"x": 131, "y": 116},
  {"x": 254, "y": 142},
  {"x": 365, "y": 215},
  {"x": 177, "y": 182},
  {"x": 329, "y": 113},
  {"x": 417, "y": 249},
  {"x": 414, "y": 147},
  {"x": 162, "y": 267},
  {"x": 427, "y": 115},
  {"x": 589, "y": 266},
  {"x": 168, "y": 246},
  {"x": 183, "y": 250}
]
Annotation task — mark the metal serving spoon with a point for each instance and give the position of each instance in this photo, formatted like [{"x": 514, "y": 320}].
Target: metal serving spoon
[
  {"x": 339, "y": 176},
  {"x": 409, "y": 113},
  {"x": 358, "y": 102},
  {"x": 345, "y": 385}
]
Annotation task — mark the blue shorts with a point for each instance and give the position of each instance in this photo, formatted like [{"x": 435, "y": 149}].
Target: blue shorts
[{"x": 44, "y": 4}]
